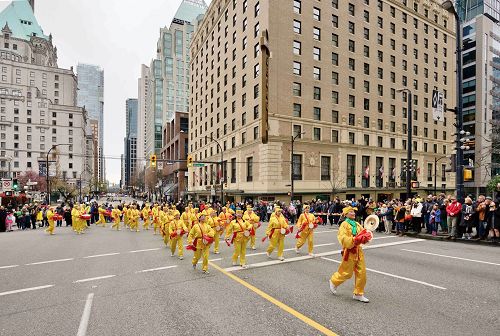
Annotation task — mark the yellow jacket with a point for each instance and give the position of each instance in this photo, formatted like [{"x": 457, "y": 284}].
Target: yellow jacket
[
  {"x": 175, "y": 225},
  {"x": 145, "y": 213},
  {"x": 251, "y": 218},
  {"x": 197, "y": 232},
  {"x": 305, "y": 219},
  {"x": 116, "y": 213},
  {"x": 238, "y": 227},
  {"x": 75, "y": 213},
  {"x": 276, "y": 224},
  {"x": 50, "y": 215},
  {"x": 345, "y": 236}
]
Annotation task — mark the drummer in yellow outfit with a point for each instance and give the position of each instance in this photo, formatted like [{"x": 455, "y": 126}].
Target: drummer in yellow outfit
[
  {"x": 252, "y": 218},
  {"x": 276, "y": 231},
  {"x": 115, "y": 215},
  {"x": 176, "y": 231},
  {"x": 199, "y": 240},
  {"x": 164, "y": 220},
  {"x": 214, "y": 223},
  {"x": 50, "y": 219},
  {"x": 101, "y": 220},
  {"x": 126, "y": 222},
  {"x": 239, "y": 232},
  {"x": 75, "y": 218},
  {"x": 156, "y": 218},
  {"x": 134, "y": 215},
  {"x": 305, "y": 230},
  {"x": 146, "y": 216},
  {"x": 351, "y": 236},
  {"x": 186, "y": 218}
]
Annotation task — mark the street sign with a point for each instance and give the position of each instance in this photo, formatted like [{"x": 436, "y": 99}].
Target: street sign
[
  {"x": 6, "y": 185},
  {"x": 199, "y": 165},
  {"x": 437, "y": 106}
]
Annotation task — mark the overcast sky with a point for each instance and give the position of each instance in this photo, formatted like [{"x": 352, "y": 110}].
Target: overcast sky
[{"x": 118, "y": 35}]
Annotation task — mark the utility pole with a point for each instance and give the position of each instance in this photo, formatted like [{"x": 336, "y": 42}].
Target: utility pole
[
  {"x": 291, "y": 165},
  {"x": 409, "y": 145}
]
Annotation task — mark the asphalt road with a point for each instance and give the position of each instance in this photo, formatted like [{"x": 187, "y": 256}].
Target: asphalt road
[{"x": 125, "y": 283}]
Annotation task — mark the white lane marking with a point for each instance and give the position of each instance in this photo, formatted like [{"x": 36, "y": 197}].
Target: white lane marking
[
  {"x": 332, "y": 230},
  {"x": 316, "y": 255},
  {"x": 9, "y": 266},
  {"x": 84, "y": 322},
  {"x": 146, "y": 250},
  {"x": 49, "y": 261},
  {"x": 156, "y": 269},
  {"x": 96, "y": 278},
  {"x": 289, "y": 249},
  {"x": 451, "y": 257},
  {"x": 217, "y": 259},
  {"x": 101, "y": 255},
  {"x": 25, "y": 290},
  {"x": 393, "y": 275}
]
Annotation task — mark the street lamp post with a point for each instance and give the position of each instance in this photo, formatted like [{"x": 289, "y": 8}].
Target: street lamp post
[
  {"x": 223, "y": 178},
  {"x": 47, "y": 169},
  {"x": 436, "y": 160},
  {"x": 291, "y": 165},
  {"x": 409, "y": 145},
  {"x": 459, "y": 180}
]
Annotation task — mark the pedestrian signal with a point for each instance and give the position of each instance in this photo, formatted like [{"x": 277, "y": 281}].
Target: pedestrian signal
[
  {"x": 467, "y": 175},
  {"x": 15, "y": 185},
  {"x": 152, "y": 161},
  {"x": 189, "y": 161}
]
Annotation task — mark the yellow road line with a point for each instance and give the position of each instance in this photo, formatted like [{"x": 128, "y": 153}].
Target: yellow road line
[{"x": 274, "y": 301}]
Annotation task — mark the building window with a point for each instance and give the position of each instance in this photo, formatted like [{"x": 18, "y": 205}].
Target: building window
[
  {"x": 351, "y": 171},
  {"x": 249, "y": 169},
  {"x": 317, "y": 93},
  {"x": 297, "y": 46},
  {"x": 317, "y": 34},
  {"x": 325, "y": 168},
  {"x": 233, "y": 170},
  {"x": 351, "y": 138},
  {"x": 297, "y": 68},
  {"x": 297, "y": 89},
  {"x": 335, "y": 97},
  {"x": 335, "y": 117},
  {"x": 317, "y": 134},
  {"x": 335, "y": 136},
  {"x": 297, "y": 27},
  {"x": 316, "y": 53},
  {"x": 316, "y": 73},
  {"x": 297, "y": 166},
  {"x": 351, "y": 119},
  {"x": 297, "y": 131},
  {"x": 317, "y": 113},
  {"x": 297, "y": 6},
  {"x": 316, "y": 14}
]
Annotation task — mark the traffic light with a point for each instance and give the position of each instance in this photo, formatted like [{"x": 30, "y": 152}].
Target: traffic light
[
  {"x": 415, "y": 184},
  {"x": 189, "y": 161},
  {"x": 152, "y": 161},
  {"x": 452, "y": 163},
  {"x": 15, "y": 185}
]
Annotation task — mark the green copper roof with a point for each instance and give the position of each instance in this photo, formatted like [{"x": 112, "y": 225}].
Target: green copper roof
[
  {"x": 190, "y": 9},
  {"x": 21, "y": 20}
]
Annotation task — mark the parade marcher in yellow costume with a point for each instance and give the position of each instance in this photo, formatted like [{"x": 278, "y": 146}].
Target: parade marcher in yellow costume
[
  {"x": 305, "y": 230},
  {"x": 252, "y": 218},
  {"x": 50, "y": 219},
  {"x": 225, "y": 217},
  {"x": 276, "y": 231},
  {"x": 75, "y": 218},
  {"x": 186, "y": 218},
  {"x": 214, "y": 223},
  {"x": 146, "y": 217},
  {"x": 351, "y": 235},
  {"x": 164, "y": 220},
  {"x": 199, "y": 240},
  {"x": 126, "y": 222},
  {"x": 176, "y": 230},
  {"x": 239, "y": 232},
  {"x": 101, "y": 220},
  {"x": 115, "y": 214},
  {"x": 134, "y": 215},
  {"x": 156, "y": 218}
]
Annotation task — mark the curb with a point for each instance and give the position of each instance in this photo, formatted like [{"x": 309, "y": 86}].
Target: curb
[{"x": 443, "y": 238}]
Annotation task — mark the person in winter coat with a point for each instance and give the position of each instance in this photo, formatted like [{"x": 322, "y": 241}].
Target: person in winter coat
[
  {"x": 453, "y": 211},
  {"x": 467, "y": 218},
  {"x": 416, "y": 215},
  {"x": 434, "y": 219}
]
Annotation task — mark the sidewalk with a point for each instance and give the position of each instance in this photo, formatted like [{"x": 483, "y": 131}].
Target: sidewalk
[{"x": 442, "y": 237}]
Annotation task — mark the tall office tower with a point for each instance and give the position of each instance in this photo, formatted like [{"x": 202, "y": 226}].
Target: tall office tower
[
  {"x": 131, "y": 132},
  {"x": 327, "y": 74},
  {"x": 481, "y": 90},
  {"x": 144, "y": 99},
  {"x": 91, "y": 96},
  {"x": 38, "y": 107}
]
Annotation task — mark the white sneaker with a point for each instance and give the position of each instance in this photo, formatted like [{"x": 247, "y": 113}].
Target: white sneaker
[
  {"x": 281, "y": 258},
  {"x": 234, "y": 263},
  {"x": 206, "y": 272},
  {"x": 297, "y": 250},
  {"x": 333, "y": 289},
  {"x": 253, "y": 248},
  {"x": 172, "y": 255},
  {"x": 268, "y": 255},
  {"x": 181, "y": 258},
  {"x": 360, "y": 298},
  {"x": 312, "y": 255},
  {"x": 244, "y": 266},
  {"x": 217, "y": 252}
]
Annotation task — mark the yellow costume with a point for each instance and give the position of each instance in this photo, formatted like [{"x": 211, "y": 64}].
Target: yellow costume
[
  {"x": 156, "y": 218},
  {"x": 353, "y": 260},
  {"x": 101, "y": 220},
  {"x": 115, "y": 214},
  {"x": 75, "y": 218},
  {"x": 199, "y": 239},
  {"x": 214, "y": 223},
  {"x": 239, "y": 229},
  {"x": 176, "y": 230},
  {"x": 254, "y": 220},
  {"x": 146, "y": 217},
  {"x": 50, "y": 216},
  {"x": 276, "y": 231},
  {"x": 186, "y": 218},
  {"x": 305, "y": 227}
]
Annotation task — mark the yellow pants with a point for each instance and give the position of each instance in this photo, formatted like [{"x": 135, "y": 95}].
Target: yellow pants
[
  {"x": 177, "y": 243},
  {"x": 240, "y": 249},
  {"x": 101, "y": 220},
  {"x": 346, "y": 269},
  {"x": 166, "y": 238},
  {"x": 216, "y": 240},
  {"x": 116, "y": 223},
  {"x": 156, "y": 226},
  {"x": 306, "y": 237},
  {"x": 277, "y": 240},
  {"x": 50, "y": 229},
  {"x": 134, "y": 225},
  {"x": 146, "y": 224},
  {"x": 202, "y": 253},
  {"x": 252, "y": 242},
  {"x": 126, "y": 221}
]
